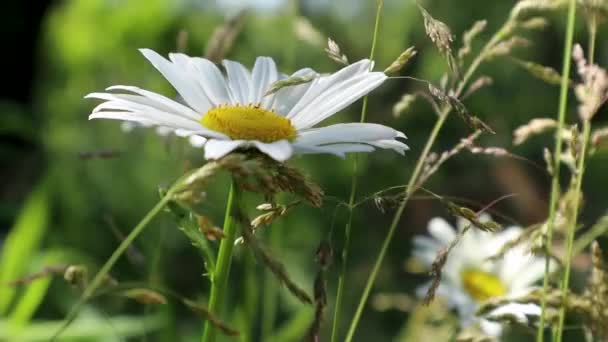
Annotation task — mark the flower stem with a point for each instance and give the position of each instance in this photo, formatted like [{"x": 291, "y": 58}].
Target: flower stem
[
  {"x": 555, "y": 187},
  {"x": 269, "y": 292},
  {"x": 413, "y": 183},
  {"x": 580, "y": 170},
  {"x": 219, "y": 279},
  {"x": 351, "y": 200}
]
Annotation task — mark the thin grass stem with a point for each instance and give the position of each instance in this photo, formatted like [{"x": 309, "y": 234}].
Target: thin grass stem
[
  {"x": 555, "y": 186},
  {"x": 413, "y": 183},
  {"x": 580, "y": 171},
  {"x": 351, "y": 200},
  {"x": 572, "y": 228},
  {"x": 118, "y": 252}
]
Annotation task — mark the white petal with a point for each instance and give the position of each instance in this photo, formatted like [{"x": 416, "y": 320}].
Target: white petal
[
  {"x": 339, "y": 150},
  {"x": 151, "y": 113},
  {"x": 279, "y": 150},
  {"x": 335, "y": 99},
  {"x": 158, "y": 118},
  {"x": 394, "y": 145},
  {"x": 321, "y": 84},
  {"x": 164, "y": 131},
  {"x": 425, "y": 249},
  {"x": 518, "y": 311},
  {"x": 161, "y": 101},
  {"x": 128, "y": 126},
  {"x": 197, "y": 141},
  {"x": 215, "y": 149},
  {"x": 534, "y": 272},
  {"x": 492, "y": 329},
  {"x": 264, "y": 73},
  {"x": 148, "y": 118},
  {"x": 180, "y": 80},
  {"x": 212, "y": 81},
  {"x": 441, "y": 230},
  {"x": 239, "y": 82},
  {"x": 202, "y": 132},
  {"x": 288, "y": 97},
  {"x": 347, "y": 133}
]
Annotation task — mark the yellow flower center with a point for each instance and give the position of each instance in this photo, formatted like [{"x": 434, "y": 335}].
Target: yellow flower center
[
  {"x": 482, "y": 285},
  {"x": 249, "y": 123}
]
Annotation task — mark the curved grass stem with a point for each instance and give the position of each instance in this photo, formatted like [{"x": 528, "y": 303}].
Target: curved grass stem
[
  {"x": 219, "y": 279},
  {"x": 105, "y": 269},
  {"x": 578, "y": 182},
  {"x": 414, "y": 180},
  {"x": 555, "y": 186},
  {"x": 580, "y": 170},
  {"x": 351, "y": 201}
]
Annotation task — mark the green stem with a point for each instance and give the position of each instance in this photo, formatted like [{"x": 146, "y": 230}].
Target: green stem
[
  {"x": 598, "y": 229},
  {"x": 351, "y": 200},
  {"x": 592, "y": 36},
  {"x": 219, "y": 279},
  {"x": 555, "y": 187},
  {"x": 580, "y": 170},
  {"x": 105, "y": 269},
  {"x": 270, "y": 293},
  {"x": 413, "y": 185}
]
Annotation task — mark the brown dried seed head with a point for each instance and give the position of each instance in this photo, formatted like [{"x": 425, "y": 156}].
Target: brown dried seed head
[
  {"x": 535, "y": 23},
  {"x": 593, "y": 91},
  {"x": 469, "y": 36},
  {"x": 544, "y": 73},
  {"x": 403, "y": 104},
  {"x": 306, "y": 31},
  {"x": 145, "y": 296},
  {"x": 438, "y": 31},
  {"x": 599, "y": 137},
  {"x": 534, "y": 127}
]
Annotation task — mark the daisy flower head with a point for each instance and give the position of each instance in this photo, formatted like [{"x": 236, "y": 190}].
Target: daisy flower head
[
  {"x": 231, "y": 109},
  {"x": 470, "y": 277}
]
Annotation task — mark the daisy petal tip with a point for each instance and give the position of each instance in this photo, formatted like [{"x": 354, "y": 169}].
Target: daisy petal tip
[
  {"x": 151, "y": 55},
  {"x": 145, "y": 51}
]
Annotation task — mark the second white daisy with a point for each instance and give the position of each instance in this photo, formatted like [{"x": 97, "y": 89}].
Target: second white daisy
[
  {"x": 224, "y": 112},
  {"x": 470, "y": 277}
]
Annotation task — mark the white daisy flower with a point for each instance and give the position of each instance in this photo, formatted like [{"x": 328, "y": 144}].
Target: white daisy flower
[
  {"x": 223, "y": 112},
  {"x": 469, "y": 278}
]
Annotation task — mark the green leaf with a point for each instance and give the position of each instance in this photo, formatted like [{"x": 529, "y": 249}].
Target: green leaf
[{"x": 23, "y": 241}]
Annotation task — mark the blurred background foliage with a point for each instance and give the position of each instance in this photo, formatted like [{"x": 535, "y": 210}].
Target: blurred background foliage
[{"x": 73, "y": 187}]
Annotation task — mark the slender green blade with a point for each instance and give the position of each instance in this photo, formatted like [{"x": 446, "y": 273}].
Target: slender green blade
[{"x": 22, "y": 242}]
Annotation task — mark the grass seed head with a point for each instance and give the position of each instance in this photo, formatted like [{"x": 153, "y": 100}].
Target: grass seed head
[
  {"x": 534, "y": 127},
  {"x": 401, "y": 61},
  {"x": 334, "y": 53},
  {"x": 438, "y": 31}
]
